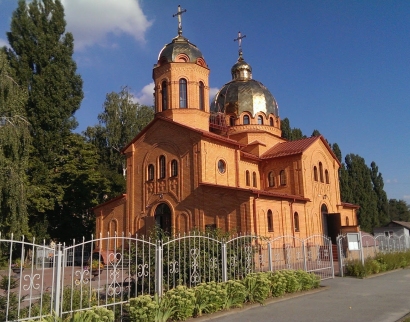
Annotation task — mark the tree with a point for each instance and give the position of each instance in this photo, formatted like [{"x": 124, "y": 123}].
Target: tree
[
  {"x": 378, "y": 188},
  {"x": 362, "y": 193},
  {"x": 290, "y": 134},
  {"x": 399, "y": 210},
  {"x": 41, "y": 54},
  {"x": 315, "y": 133},
  {"x": 14, "y": 152},
  {"x": 83, "y": 186},
  {"x": 121, "y": 120}
]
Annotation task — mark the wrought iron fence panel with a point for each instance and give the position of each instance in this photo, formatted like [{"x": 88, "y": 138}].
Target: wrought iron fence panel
[
  {"x": 319, "y": 256},
  {"x": 27, "y": 290},
  {"x": 392, "y": 243},
  {"x": 190, "y": 260},
  {"x": 245, "y": 254},
  {"x": 287, "y": 253},
  {"x": 120, "y": 267}
]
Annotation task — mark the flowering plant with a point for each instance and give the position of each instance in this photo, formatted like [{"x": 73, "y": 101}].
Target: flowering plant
[
  {"x": 96, "y": 264},
  {"x": 17, "y": 263}
]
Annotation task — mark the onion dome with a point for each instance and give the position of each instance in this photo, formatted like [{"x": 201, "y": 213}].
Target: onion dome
[
  {"x": 179, "y": 50},
  {"x": 244, "y": 94}
]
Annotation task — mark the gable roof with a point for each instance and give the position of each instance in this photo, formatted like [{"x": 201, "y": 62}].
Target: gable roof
[
  {"x": 405, "y": 224},
  {"x": 201, "y": 132},
  {"x": 295, "y": 147}
]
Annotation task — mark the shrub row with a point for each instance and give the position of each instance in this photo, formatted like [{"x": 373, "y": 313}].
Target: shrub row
[
  {"x": 381, "y": 263},
  {"x": 182, "y": 303}
]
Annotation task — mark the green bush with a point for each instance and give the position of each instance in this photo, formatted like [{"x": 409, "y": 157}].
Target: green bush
[
  {"x": 278, "y": 283},
  {"x": 182, "y": 298},
  {"x": 142, "y": 309},
  {"x": 235, "y": 294},
  {"x": 381, "y": 263},
  {"x": 209, "y": 297},
  {"x": 257, "y": 287}
]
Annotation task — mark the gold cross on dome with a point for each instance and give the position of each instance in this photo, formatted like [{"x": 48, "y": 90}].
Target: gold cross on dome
[
  {"x": 239, "y": 40},
  {"x": 179, "y": 14}
]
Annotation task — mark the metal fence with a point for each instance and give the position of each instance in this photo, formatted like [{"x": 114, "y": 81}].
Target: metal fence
[
  {"x": 359, "y": 246},
  {"x": 41, "y": 280}
]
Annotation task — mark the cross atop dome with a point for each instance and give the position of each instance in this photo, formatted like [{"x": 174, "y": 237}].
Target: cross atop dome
[
  {"x": 179, "y": 15},
  {"x": 239, "y": 40}
]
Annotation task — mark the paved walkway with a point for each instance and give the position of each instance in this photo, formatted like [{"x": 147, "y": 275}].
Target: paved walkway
[{"x": 381, "y": 298}]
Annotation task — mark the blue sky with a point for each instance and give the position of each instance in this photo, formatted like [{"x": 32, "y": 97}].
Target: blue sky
[{"x": 341, "y": 67}]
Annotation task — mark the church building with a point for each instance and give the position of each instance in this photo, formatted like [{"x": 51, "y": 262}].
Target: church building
[{"x": 223, "y": 164}]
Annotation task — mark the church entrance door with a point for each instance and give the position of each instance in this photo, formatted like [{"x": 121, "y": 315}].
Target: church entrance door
[{"x": 163, "y": 217}]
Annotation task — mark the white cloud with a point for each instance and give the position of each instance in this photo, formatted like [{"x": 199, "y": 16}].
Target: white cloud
[
  {"x": 406, "y": 197},
  {"x": 145, "y": 96},
  {"x": 91, "y": 21},
  {"x": 4, "y": 42}
]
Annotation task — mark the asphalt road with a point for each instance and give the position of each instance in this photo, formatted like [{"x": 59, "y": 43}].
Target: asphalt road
[{"x": 381, "y": 298}]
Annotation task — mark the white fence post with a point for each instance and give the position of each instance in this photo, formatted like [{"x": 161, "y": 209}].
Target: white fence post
[
  {"x": 57, "y": 279},
  {"x": 224, "y": 263},
  {"x": 158, "y": 269},
  {"x": 270, "y": 265}
]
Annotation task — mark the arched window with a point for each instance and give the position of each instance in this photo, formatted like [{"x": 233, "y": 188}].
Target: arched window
[
  {"x": 271, "y": 121},
  {"x": 296, "y": 221},
  {"x": 232, "y": 121},
  {"x": 321, "y": 171},
  {"x": 183, "y": 93},
  {"x": 315, "y": 172},
  {"x": 247, "y": 178},
  {"x": 162, "y": 170},
  {"x": 254, "y": 179},
  {"x": 164, "y": 96},
  {"x": 260, "y": 120},
  {"x": 282, "y": 178},
  {"x": 246, "y": 119},
  {"x": 201, "y": 96},
  {"x": 327, "y": 176},
  {"x": 271, "y": 179},
  {"x": 269, "y": 218},
  {"x": 347, "y": 221},
  {"x": 221, "y": 166},
  {"x": 151, "y": 172},
  {"x": 174, "y": 168}
]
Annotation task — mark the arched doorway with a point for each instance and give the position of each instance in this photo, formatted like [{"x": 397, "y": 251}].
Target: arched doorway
[
  {"x": 324, "y": 213},
  {"x": 163, "y": 217}
]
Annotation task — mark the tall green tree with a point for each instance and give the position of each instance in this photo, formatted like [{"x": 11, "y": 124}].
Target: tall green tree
[
  {"x": 14, "y": 153},
  {"x": 121, "y": 120},
  {"x": 82, "y": 185},
  {"x": 362, "y": 193},
  {"x": 290, "y": 134},
  {"x": 399, "y": 210},
  {"x": 378, "y": 188},
  {"x": 41, "y": 54}
]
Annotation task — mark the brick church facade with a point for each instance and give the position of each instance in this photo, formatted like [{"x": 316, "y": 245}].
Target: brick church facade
[{"x": 223, "y": 165}]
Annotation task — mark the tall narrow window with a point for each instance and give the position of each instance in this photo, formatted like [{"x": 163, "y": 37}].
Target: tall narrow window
[
  {"x": 271, "y": 179},
  {"x": 347, "y": 221},
  {"x": 282, "y": 178},
  {"x": 232, "y": 121},
  {"x": 162, "y": 167},
  {"x": 321, "y": 171},
  {"x": 327, "y": 176},
  {"x": 246, "y": 119},
  {"x": 270, "y": 220},
  {"x": 260, "y": 120},
  {"x": 201, "y": 96},
  {"x": 254, "y": 179},
  {"x": 151, "y": 172},
  {"x": 164, "y": 96},
  {"x": 296, "y": 221},
  {"x": 315, "y": 172},
  {"x": 183, "y": 93},
  {"x": 271, "y": 121},
  {"x": 247, "y": 178},
  {"x": 174, "y": 168}
]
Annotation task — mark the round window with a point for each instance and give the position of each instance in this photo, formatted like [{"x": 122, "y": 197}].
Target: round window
[{"x": 221, "y": 166}]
